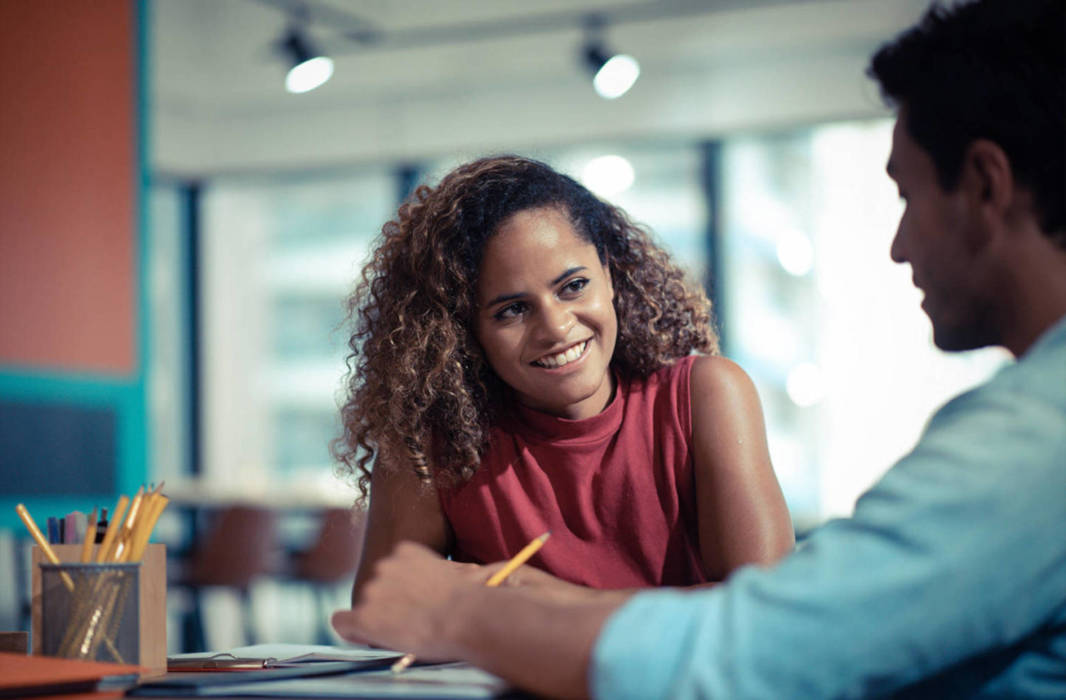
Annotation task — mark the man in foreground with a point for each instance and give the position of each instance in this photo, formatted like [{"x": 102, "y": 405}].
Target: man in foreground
[{"x": 950, "y": 578}]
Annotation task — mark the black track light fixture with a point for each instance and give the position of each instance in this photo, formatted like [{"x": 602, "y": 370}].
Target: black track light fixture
[
  {"x": 310, "y": 67},
  {"x": 612, "y": 73}
]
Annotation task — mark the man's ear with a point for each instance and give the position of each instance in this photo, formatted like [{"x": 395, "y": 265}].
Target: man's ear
[{"x": 987, "y": 175}]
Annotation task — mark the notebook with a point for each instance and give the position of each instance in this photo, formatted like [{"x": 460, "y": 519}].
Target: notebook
[{"x": 280, "y": 656}]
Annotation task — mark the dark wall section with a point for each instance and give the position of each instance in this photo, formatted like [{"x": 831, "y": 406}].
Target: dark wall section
[{"x": 57, "y": 449}]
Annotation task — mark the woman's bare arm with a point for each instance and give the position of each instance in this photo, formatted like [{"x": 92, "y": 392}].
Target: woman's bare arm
[
  {"x": 742, "y": 514},
  {"x": 402, "y": 508}
]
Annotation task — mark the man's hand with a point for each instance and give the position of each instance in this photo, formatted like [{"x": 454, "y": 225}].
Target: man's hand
[
  {"x": 534, "y": 636},
  {"x": 408, "y": 603}
]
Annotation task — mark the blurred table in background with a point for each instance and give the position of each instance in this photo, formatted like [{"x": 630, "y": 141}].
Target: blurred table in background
[
  {"x": 275, "y": 495},
  {"x": 232, "y": 535}
]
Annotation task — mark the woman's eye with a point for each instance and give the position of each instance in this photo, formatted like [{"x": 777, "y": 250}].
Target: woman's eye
[
  {"x": 575, "y": 285},
  {"x": 509, "y": 311}
]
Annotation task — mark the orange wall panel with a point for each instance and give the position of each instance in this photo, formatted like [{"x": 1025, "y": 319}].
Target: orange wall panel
[{"x": 68, "y": 185}]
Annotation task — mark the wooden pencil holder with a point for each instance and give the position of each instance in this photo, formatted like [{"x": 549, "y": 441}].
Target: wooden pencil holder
[{"x": 132, "y": 596}]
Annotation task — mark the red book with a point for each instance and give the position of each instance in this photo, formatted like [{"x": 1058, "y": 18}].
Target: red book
[{"x": 22, "y": 676}]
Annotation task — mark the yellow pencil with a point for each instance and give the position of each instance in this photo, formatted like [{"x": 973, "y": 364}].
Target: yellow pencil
[
  {"x": 122, "y": 543},
  {"x": 140, "y": 541},
  {"x": 495, "y": 580},
  {"x": 46, "y": 548},
  {"x": 518, "y": 560},
  {"x": 134, "y": 528}
]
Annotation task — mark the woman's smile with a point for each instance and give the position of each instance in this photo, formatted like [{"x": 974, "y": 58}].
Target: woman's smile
[{"x": 563, "y": 359}]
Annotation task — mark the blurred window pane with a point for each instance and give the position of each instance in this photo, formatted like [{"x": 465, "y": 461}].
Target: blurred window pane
[
  {"x": 167, "y": 297},
  {"x": 829, "y": 328},
  {"x": 279, "y": 258}
]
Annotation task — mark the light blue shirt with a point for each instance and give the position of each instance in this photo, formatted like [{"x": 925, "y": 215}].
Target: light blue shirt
[{"x": 951, "y": 572}]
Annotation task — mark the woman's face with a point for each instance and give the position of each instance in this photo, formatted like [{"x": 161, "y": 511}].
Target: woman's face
[{"x": 546, "y": 317}]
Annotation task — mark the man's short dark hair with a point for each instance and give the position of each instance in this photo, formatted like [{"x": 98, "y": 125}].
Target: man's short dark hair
[{"x": 990, "y": 69}]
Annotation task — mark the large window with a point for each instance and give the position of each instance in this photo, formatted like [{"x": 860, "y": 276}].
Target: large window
[{"x": 808, "y": 300}]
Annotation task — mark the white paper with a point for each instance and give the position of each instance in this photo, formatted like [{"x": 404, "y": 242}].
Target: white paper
[
  {"x": 288, "y": 654},
  {"x": 440, "y": 681}
]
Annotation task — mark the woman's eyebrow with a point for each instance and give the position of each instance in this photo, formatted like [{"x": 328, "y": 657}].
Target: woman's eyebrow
[
  {"x": 518, "y": 295},
  {"x": 502, "y": 298},
  {"x": 566, "y": 274}
]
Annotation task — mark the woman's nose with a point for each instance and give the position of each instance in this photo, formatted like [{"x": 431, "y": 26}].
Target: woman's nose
[{"x": 555, "y": 323}]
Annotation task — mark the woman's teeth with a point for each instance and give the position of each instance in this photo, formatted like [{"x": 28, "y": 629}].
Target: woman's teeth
[{"x": 563, "y": 358}]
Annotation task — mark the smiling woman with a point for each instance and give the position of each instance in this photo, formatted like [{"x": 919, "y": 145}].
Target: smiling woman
[
  {"x": 522, "y": 361},
  {"x": 546, "y": 321}
]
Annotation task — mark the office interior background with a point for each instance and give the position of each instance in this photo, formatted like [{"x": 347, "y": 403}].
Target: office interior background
[{"x": 179, "y": 233}]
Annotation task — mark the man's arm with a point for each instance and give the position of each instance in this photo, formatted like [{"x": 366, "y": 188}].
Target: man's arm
[
  {"x": 415, "y": 601},
  {"x": 947, "y": 560}
]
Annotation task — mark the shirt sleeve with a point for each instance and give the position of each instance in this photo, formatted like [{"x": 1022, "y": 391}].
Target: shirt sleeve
[{"x": 956, "y": 551}]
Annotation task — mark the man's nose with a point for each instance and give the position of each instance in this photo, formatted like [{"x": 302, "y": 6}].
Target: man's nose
[{"x": 896, "y": 249}]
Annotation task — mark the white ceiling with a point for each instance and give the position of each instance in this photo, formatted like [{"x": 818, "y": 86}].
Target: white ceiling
[{"x": 451, "y": 76}]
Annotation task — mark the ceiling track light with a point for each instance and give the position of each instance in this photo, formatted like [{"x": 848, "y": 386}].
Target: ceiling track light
[
  {"x": 310, "y": 67},
  {"x": 612, "y": 73}
]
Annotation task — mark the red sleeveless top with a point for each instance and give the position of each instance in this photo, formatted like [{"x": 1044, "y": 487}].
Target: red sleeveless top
[{"x": 616, "y": 490}]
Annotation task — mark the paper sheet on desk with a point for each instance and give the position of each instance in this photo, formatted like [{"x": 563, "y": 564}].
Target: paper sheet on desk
[
  {"x": 439, "y": 681},
  {"x": 298, "y": 654}
]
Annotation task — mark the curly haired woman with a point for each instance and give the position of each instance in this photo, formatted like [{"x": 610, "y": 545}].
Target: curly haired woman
[{"x": 521, "y": 362}]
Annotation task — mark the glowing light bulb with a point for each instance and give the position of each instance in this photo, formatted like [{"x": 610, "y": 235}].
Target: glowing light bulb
[
  {"x": 616, "y": 76},
  {"x": 309, "y": 74}
]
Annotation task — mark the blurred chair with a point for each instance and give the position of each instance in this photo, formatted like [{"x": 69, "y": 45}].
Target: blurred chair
[
  {"x": 238, "y": 547},
  {"x": 330, "y": 561}
]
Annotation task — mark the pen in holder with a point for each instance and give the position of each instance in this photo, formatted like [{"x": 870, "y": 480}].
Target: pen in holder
[{"x": 90, "y": 612}]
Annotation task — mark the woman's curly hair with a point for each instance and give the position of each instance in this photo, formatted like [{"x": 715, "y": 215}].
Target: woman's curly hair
[{"x": 420, "y": 392}]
